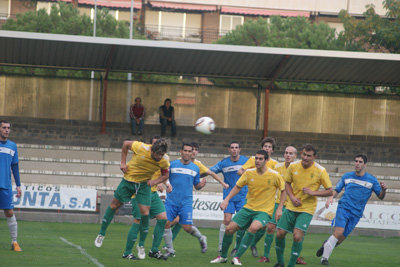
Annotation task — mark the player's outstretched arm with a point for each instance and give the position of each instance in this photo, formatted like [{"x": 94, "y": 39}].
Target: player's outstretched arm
[
  {"x": 383, "y": 191},
  {"x": 329, "y": 201},
  {"x": 241, "y": 171},
  {"x": 231, "y": 194},
  {"x": 324, "y": 193},
  {"x": 218, "y": 179},
  {"x": 124, "y": 153}
]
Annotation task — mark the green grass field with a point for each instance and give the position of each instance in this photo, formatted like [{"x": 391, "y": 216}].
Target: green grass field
[{"x": 42, "y": 245}]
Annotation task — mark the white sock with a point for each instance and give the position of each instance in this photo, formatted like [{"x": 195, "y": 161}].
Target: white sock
[
  {"x": 329, "y": 246},
  {"x": 168, "y": 240},
  {"x": 195, "y": 232},
  {"x": 221, "y": 236},
  {"x": 13, "y": 227}
]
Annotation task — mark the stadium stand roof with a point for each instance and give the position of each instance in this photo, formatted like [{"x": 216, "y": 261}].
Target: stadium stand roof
[{"x": 25, "y": 49}]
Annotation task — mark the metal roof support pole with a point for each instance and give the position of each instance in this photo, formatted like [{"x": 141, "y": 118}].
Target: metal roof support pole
[
  {"x": 105, "y": 83},
  {"x": 267, "y": 91}
]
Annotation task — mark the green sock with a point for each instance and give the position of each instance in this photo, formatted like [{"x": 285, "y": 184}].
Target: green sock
[
  {"x": 158, "y": 234},
  {"x": 280, "y": 249},
  {"x": 267, "y": 244},
  {"x": 247, "y": 240},
  {"x": 175, "y": 230},
  {"x": 260, "y": 233},
  {"x": 296, "y": 249},
  {"x": 132, "y": 236},
  {"x": 226, "y": 242},
  {"x": 239, "y": 236},
  {"x": 144, "y": 230},
  {"x": 108, "y": 216}
]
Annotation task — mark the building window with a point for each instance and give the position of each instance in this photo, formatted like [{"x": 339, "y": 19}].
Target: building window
[
  {"x": 4, "y": 9},
  {"x": 227, "y": 23},
  {"x": 173, "y": 26}
]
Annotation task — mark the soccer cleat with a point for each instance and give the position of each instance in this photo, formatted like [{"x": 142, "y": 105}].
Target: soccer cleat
[
  {"x": 233, "y": 252},
  {"x": 254, "y": 251},
  {"x": 99, "y": 241},
  {"x": 300, "y": 260},
  {"x": 15, "y": 246},
  {"x": 141, "y": 254},
  {"x": 279, "y": 265},
  {"x": 236, "y": 261},
  {"x": 157, "y": 255},
  {"x": 320, "y": 251},
  {"x": 203, "y": 244},
  {"x": 129, "y": 257},
  {"x": 264, "y": 259},
  {"x": 219, "y": 259},
  {"x": 169, "y": 255},
  {"x": 324, "y": 261}
]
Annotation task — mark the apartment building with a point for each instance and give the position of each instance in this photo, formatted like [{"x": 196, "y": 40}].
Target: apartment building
[{"x": 203, "y": 20}]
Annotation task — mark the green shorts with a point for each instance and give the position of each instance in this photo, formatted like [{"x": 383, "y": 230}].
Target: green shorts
[
  {"x": 273, "y": 221},
  {"x": 126, "y": 190},
  {"x": 156, "y": 206},
  {"x": 245, "y": 217},
  {"x": 291, "y": 219}
]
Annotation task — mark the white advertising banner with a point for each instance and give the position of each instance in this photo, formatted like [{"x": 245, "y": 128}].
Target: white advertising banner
[
  {"x": 55, "y": 197},
  {"x": 375, "y": 216},
  {"x": 206, "y": 207}
]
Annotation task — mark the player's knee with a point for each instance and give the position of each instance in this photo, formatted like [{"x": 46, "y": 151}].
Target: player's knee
[
  {"x": 8, "y": 213},
  {"x": 271, "y": 228}
]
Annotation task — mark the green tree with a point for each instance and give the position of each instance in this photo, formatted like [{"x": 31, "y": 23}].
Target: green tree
[
  {"x": 374, "y": 33},
  {"x": 293, "y": 32}
]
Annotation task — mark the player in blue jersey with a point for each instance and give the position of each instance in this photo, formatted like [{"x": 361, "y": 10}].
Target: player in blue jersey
[
  {"x": 8, "y": 164},
  {"x": 358, "y": 187},
  {"x": 184, "y": 174},
  {"x": 229, "y": 167}
]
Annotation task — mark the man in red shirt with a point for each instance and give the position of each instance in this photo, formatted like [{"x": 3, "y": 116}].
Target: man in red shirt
[{"x": 137, "y": 116}]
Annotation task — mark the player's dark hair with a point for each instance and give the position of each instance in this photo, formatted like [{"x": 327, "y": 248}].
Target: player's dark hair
[
  {"x": 187, "y": 144},
  {"x": 195, "y": 145},
  {"x": 154, "y": 137},
  {"x": 268, "y": 140},
  {"x": 138, "y": 98},
  {"x": 234, "y": 142},
  {"x": 363, "y": 156},
  {"x": 160, "y": 146},
  {"x": 264, "y": 153},
  {"x": 166, "y": 100},
  {"x": 4, "y": 121},
  {"x": 309, "y": 147}
]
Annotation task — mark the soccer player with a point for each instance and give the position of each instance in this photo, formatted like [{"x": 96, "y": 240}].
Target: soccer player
[
  {"x": 358, "y": 186},
  {"x": 146, "y": 160},
  {"x": 303, "y": 180},
  {"x": 267, "y": 144},
  {"x": 204, "y": 171},
  {"x": 157, "y": 210},
  {"x": 8, "y": 164},
  {"x": 184, "y": 174},
  {"x": 290, "y": 155},
  {"x": 229, "y": 167},
  {"x": 262, "y": 183}
]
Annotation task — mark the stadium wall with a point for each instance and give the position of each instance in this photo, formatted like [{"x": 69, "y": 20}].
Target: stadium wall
[{"x": 73, "y": 99}]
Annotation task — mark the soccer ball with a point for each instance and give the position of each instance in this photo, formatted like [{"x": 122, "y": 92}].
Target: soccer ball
[{"x": 205, "y": 125}]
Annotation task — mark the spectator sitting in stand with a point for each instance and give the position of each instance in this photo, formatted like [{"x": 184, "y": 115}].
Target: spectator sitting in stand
[
  {"x": 167, "y": 117},
  {"x": 137, "y": 116}
]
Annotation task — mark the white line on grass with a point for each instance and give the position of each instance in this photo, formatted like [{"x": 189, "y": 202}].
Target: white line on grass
[{"x": 94, "y": 260}]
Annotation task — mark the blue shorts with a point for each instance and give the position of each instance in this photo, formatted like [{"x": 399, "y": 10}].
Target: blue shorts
[
  {"x": 6, "y": 199},
  {"x": 184, "y": 212},
  {"x": 235, "y": 206},
  {"x": 346, "y": 220}
]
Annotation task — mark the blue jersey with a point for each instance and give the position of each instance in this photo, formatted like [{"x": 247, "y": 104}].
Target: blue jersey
[
  {"x": 358, "y": 190},
  {"x": 182, "y": 178},
  {"x": 8, "y": 157},
  {"x": 229, "y": 169}
]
